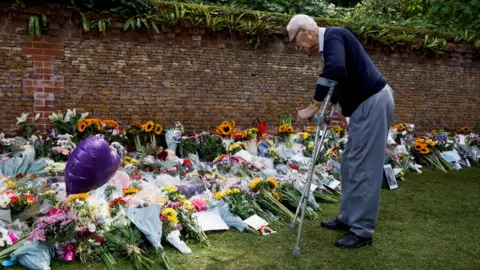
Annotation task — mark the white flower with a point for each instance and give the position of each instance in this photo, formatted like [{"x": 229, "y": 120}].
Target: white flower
[
  {"x": 2, "y": 243},
  {"x": 68, "y": 116},
  {"x": 91, "y": 227},
  {"x": 22, "y": 118},
  {"x": 83, "y": 117},
  {"x": 37, "y": 116}
]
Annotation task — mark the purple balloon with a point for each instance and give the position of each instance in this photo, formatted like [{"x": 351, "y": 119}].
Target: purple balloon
[{"x": 90, "y": 165}]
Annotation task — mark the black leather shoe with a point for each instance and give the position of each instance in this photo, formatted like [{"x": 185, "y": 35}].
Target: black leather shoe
[
  {"x": 334, "y": 225},
  {"x": 351, "y": 240}
]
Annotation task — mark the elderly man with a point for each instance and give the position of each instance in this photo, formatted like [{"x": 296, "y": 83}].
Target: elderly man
[{"x": 365, "y": 97}]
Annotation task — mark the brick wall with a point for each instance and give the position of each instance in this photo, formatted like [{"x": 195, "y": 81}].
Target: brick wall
[{"x": 202, "y": 79}]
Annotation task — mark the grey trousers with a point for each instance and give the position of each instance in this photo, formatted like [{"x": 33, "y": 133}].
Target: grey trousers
[{"x": 362, "y": 162}]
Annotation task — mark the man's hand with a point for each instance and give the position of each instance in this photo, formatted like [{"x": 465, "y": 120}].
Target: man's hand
[{"x": 307, "y": 113}]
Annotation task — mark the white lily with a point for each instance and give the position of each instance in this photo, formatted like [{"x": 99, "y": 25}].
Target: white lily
[
  {"x": 83, "y": 117},
  {"x": 22, "y": 118},
  {"x": 37, "y": 116},
  {"x": 68, "y": 116}
]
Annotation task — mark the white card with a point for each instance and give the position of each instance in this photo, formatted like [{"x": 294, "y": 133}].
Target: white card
[
  {"x": 396, "y": 171},
  {"x": 461, "y": 139},
  {"x": 255, "y": 222},
  {"x": 210, "y": 220},
  {"x": 401, "y": 149}
]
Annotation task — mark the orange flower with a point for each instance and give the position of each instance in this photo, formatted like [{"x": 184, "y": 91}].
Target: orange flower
[
  {"x": 289, "y": 129},
  {"x": 158, "y": 129},
  {"x": 149, "y": 126},
  {"x": 465, "y": 129},
  {"x": 81, "y": 126},
  {"x": 282, "y": 129}
]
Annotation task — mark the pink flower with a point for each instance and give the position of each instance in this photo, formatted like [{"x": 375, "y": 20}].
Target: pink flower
[
  {"x": 13, "y": 237},
  {"x": 199, "y": 204}
]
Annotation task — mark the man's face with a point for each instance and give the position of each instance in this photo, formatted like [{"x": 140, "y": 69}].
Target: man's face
[{"x": 305, "y": 40}]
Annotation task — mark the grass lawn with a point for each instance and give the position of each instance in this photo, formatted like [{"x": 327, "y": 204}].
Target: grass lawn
[{"x": 431, "y": 222}]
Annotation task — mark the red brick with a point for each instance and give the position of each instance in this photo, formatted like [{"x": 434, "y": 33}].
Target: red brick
[
  {"x": 59, "y": 84},
  {"x": 43, "y": 109},
  {"x": 54, "y": 89},
  {"x": 27, "y": 83},
  {"x": 58, "y": 46},
  {"x": 42, "y": 83},
  {"x": 54, "y": 40},
  {"x": 37, "y": 64},
  {"x": 43, "y": 45},
  {"x": 39, "y": 102},
  {"x": 37, "y": 39},
  {"x": 43, "y": 121},
  {"x": 48, "y": 102},
  {"x": 47, "y": 64},
  {"x": 58, "y": 53},
  {"x": 29, "y": 90},
  {"x": 45, "y": 71},
  {"x": 43, "y": 58},
  {"x": 32, "y": 51},
  {"x": 43, "y": 96}
]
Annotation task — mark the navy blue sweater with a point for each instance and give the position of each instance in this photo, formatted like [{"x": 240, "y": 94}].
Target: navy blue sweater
[{"x": 346, "y": 61}]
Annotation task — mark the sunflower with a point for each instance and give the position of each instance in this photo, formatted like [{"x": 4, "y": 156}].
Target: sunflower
[
  {"x": 397, "y": 127},
  {"x": 419, "y": 146},
  {"x": 289, "y": 129},
  {"x": 149, "y": 126},
  {"x": 276, "y": 196},
  {"x": 430, "y": 142},
  {"x": 273, "y": 183},
  {"x": 424, "y": 151},
  {"x": 81, "y": 126},
  {"x": 228, "y": 192},
  {"x": 89, "y": 122},
  {"x": 158, "y": 129},
  {"x": 434, "y": 131},
  {"x": 420, "y": 140},
  {"x": 225, "y": 128},
  {"x": 254, "y": 184},
  {"x": 98, "y": 125},
  {"x": 465, "y": 129},
  {"x": 282, "y": 128}
]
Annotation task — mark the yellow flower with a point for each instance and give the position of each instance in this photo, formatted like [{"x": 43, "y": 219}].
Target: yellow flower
[
  {"x": 81, "y": 196},
  {"x": 149, "y": 126},
  {"x": 228, "y": 192},
  {"x": 170, "y": 188},
  {"x": 271, "y": 149},
  {"x": 236, "y": 190},
  {"x": 273, "y": 183},
  {"x": 282, "y": 129},
  {"x": 129, "y": 160},
  {"x": 218, "y": 195},
  {"x": 255, "y": 183},
  {"x": 171, "y": 214},
  {"x": 270, "y": 142},
  {"x": 130, "y": 191},
  {"x": 276, "y": 196},
  {"x": 10, "y": 184},
  {"x": 188, "y": 204},
  {"x": 310, "y": 145},
  {"x": 430, "y": 142}
]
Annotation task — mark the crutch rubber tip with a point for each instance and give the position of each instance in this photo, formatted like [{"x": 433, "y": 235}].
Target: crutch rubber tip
[
  {"x": 296, "y": 252},
  {"x": 292, "y": 224}
]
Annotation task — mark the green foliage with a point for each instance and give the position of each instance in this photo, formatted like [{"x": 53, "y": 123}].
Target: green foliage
[
  {"x": 212, "y": 148},
  {"x": 117, "y": 6},
  {"x": 101, "y": 24},
  {"x": 34, "y": 28}
]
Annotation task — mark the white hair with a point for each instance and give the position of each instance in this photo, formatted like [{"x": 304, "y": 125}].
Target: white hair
[{"x": 297, "y": 21}]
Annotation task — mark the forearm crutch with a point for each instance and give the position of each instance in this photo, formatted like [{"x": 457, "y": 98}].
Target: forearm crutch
[{"x": 318, "y": 119}]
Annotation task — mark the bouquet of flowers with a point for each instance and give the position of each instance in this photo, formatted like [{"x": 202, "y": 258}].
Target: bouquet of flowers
[
  {"x": 56, "y": 226},
  {"x": 67, "y": 124},
  {"x": 269, "y": 197},
  {"x": 425, "y": 150},
  {"x": 24, "y": 125}
]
